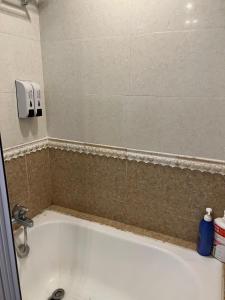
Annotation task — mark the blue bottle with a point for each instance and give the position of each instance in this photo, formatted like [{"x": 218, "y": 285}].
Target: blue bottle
[{"x": 206, "y": 234}]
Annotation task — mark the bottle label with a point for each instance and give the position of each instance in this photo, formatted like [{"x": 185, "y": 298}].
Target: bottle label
[
  {"x": 219, "y": 230},
  {"x": 219, "y": 243}
]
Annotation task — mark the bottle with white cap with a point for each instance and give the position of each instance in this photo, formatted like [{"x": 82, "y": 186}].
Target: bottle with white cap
[
  {"x": 219, "y": 239},
  {"x": 206, "y": 233}
]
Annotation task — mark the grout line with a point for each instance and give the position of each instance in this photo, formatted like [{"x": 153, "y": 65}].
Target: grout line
[
  {"x": 50, "y": 169},
  {"x": 193, "y": 30},
  {"x": 7, "y": 92},
  {"x": 19, "y": 36},
  {"x": 143, "y": 95},
  {"x": 151, "y": 95},
  {"x": 28, "y": 181}
]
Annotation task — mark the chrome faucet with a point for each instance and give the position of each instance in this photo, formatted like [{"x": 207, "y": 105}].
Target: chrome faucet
[{"x": 19, "y": 217}]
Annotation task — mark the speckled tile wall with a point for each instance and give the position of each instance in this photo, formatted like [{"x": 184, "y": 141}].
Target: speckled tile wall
[
  {"x": 136, "y": 74},
  {"x": 29, "y": 181},
  {"x": 21, "y": 58},
  {"x": 164, "y": 199},
  {"x": 167, "y": 200}
]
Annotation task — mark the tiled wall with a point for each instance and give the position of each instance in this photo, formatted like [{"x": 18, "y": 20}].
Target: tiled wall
[
  {"x": 163, "y": 199},
  {"x": 20, "y": 58},
  {"x": 133, "y": 73},
  {"x": 140, "y": 74},
  {"x": 29, "y": 181},
  {"x": 159, "y": 198}
]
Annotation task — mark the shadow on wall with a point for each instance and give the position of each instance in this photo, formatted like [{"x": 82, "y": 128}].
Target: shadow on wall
[{"x": 28, "y": 126}]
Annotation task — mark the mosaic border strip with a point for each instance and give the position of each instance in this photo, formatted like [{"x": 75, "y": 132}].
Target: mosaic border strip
[
  {"x": 182, "y": 162},
  {"x": 21, "y": 150}
]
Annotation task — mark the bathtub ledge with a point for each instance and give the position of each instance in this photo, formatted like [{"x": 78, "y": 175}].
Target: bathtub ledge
[{"x": 124, "y": 227}]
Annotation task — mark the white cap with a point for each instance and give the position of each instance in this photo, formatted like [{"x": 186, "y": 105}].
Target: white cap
[
  {"x": 224, "y": 216},
  {"x": 208, "y": 216}
]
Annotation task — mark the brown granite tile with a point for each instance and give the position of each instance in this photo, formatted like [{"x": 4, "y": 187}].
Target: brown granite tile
[
  {"x": 164, "y": 199},
  {"x": 17, "y": 181},
  {"x": 171, "y": 200},
  {"x": 105, "y": 186},
  {"x": 68, "y": 179},
  {"x": 39, "y": 181},
  {"x": 209, "y": 191},
  {"x": 163, "y": 220},
  {"x": 158, "y": 187},
  {"x": 88, "y": 183}
]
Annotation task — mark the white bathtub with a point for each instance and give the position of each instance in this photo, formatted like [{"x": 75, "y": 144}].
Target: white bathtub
[{"x": 96, "y": 262}]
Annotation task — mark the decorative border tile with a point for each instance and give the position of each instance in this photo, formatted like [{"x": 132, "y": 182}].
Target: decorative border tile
[
  {"x": 21, "y": 150},
  {"x": 93, "y": 149},
  {"x": 163, "y": 159}
]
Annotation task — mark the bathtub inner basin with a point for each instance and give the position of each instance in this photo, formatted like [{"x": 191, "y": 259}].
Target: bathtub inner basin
[{"x": 96, "y": 262}]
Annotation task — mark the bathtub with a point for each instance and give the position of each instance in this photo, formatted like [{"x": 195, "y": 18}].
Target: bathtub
[{"x": 96, "y": 262}]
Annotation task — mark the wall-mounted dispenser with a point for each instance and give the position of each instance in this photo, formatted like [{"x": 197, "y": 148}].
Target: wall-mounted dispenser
[
  {"x": 25, "y": 99},
  {"x": 28, "y": 99},
  {"x": 25, "y": 2},
  {"x": 37, "y": 99}
]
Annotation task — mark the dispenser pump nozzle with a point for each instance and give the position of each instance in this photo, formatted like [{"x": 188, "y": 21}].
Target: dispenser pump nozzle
[
  {"x": 224, "y": 215},
  {"x": 208, "y": 215}
]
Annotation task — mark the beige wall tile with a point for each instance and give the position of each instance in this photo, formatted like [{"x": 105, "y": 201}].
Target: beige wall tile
[
  {"x": 15, "y": 131},
  {"x": 61, "y": 63},
  {"x": 27, "y": 61},
  {"x": 84, "y": 19},
  {"x": 6, "y": 82},
  {"x": 65, "y": 15},
  {"x": 20, "y": 59},
  {"x": 143, "y": 118},
  {"x": 63, "y": 89},
  {"x": 171, "y": 52},
  {"x": 70, "y": 116},
  {"x": 103, "y": 114},
  {"x": 106, "y": 66},
  {"x": 184, "y": 64},
  {"x": 151, "y": 16},
  {"x": 25, "y": 24},
  {"x": 175, "y": 125}
]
